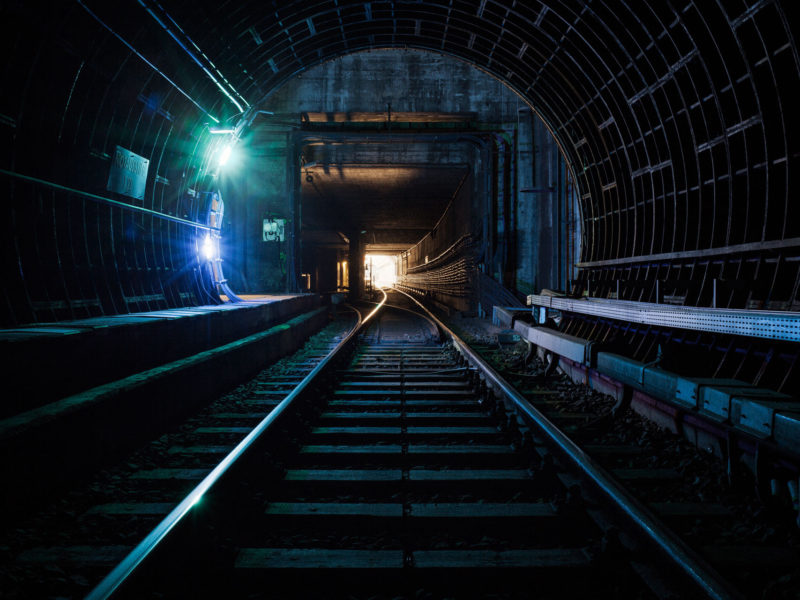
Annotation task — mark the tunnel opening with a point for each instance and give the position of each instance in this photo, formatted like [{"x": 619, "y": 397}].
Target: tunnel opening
[
  {"x": 675, "y": 120},
  {"x": 380, "y": 271},
  {"x": 415, "y": 154}
]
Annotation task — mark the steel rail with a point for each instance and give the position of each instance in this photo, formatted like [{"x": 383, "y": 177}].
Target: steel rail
[
  {"x": 413, "y": 312},
  {"x": 695, "y": 567},
  {"x": 135, "y": 557}
]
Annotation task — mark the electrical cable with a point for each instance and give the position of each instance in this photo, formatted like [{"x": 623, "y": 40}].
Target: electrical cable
[{"x": 147, "y": 62}]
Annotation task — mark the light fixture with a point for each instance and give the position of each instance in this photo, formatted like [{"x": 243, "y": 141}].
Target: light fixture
[
  {"x": 208, "y": 247},
  {"x": 216, "y": 131},
  {"x": 225, "y": 155}
]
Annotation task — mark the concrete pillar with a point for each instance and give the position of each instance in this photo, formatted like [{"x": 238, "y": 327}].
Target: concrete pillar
[
  {"x": 356, "y": 265},
  {"x": 540, "y": 221},
  {"x": 526, "y": 207},
  {"x": 325, "y": 264},
  {"x": 544, "y": 200}
]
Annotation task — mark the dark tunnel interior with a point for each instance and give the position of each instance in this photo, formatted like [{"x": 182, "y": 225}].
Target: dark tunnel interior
[
  {"x": 608, "y": 149},
  {"x": 207, "y": 202}
]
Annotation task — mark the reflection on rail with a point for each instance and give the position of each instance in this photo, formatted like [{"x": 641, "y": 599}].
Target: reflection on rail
[{"x": 125, "y": 568}]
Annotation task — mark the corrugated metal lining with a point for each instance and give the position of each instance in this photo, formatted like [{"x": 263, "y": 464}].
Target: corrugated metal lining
[{"x": 675, "y": 118}]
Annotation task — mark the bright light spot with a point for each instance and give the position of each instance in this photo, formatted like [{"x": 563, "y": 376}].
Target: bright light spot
[
  {"x": 225, "y": 155},
  {"x": 381, "y": 269},
  {"x": 208, "y": 247}
]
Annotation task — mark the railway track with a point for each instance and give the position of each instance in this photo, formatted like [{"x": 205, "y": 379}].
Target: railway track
[
  {"x": 64, "y": 549},
  {"x": 404, "y": 466}
]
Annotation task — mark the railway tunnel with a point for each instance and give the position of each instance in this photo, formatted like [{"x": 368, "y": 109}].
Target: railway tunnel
[{"x": 611, "y": 181}]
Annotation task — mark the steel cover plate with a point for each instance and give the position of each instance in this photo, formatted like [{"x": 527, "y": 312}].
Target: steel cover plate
[
  {"x": 627, "y": 370},
  {"x": 786, "y": 430},
  {"x": 757, "y": 415},
  {"x": 687, "y": 390},
  {"x": 562, "y": 344}
]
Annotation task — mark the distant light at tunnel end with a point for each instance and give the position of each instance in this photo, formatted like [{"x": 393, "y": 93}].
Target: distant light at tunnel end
[{"x": 382, "y": 269}]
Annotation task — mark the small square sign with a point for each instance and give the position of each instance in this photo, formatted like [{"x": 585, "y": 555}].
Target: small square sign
[{"x": 273, "y": 230}]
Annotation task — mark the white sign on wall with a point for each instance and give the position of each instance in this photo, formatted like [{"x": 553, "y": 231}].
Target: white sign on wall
[
  {"x": 273, "y": 230},
  {"x": 128, "y": 174}
]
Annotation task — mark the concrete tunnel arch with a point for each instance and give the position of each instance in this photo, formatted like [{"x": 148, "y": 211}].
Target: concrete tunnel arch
[
  {"x": 675, "y": 115},
  {"x": 434, "y": 114}
]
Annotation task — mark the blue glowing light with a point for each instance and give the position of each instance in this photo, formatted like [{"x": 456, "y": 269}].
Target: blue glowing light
[
  {"x": 208, "y": 247},
  {"x": 225, "y": 155}
]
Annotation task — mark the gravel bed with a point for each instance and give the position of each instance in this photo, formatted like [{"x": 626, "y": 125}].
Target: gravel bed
[{"x": 754, "y": 521}]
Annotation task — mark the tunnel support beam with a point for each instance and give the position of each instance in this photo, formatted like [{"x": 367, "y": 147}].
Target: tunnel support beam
[{"x": 356, "y": 265}]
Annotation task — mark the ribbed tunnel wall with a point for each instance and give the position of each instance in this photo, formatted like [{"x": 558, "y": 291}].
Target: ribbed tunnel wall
[
  {"x": 71, "y": 93},
  {"x": 675, "y": 116}
]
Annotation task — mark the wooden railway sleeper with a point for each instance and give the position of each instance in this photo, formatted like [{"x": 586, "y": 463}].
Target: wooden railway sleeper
[{"x": 551, "y": 481}]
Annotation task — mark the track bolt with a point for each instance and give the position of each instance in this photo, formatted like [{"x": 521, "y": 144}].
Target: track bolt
[
  {"x": 547, "y": 469},
  {"x": 611, "y": 545},
  {"x": 545, "y": 477},
  {"x": 513, "y": 427},
  {"x": 500, "y": 411},
  {"x": 527, "y": 442},
  {"x": 794, "y": 493},
  {"x": 572, "y": 502},
  {"x": 574, "y": 497},
  {"x": 475, "y": 379}
]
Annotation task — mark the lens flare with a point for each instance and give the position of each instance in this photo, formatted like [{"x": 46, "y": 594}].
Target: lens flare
[
  {"x": 208, "y": 247},
  {"x": 225, "y": 155}
]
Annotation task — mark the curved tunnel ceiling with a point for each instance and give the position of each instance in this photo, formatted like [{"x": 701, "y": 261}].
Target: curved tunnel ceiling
[{"x": 675, "y": 115}]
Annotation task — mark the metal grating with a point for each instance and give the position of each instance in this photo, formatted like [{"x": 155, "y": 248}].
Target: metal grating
[{"x": 771, "y": 325}]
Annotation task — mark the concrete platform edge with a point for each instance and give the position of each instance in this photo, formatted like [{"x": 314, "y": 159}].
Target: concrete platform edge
[
  {"x": 50, "y": 361},
  {"x": 47, "y": 446}
]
